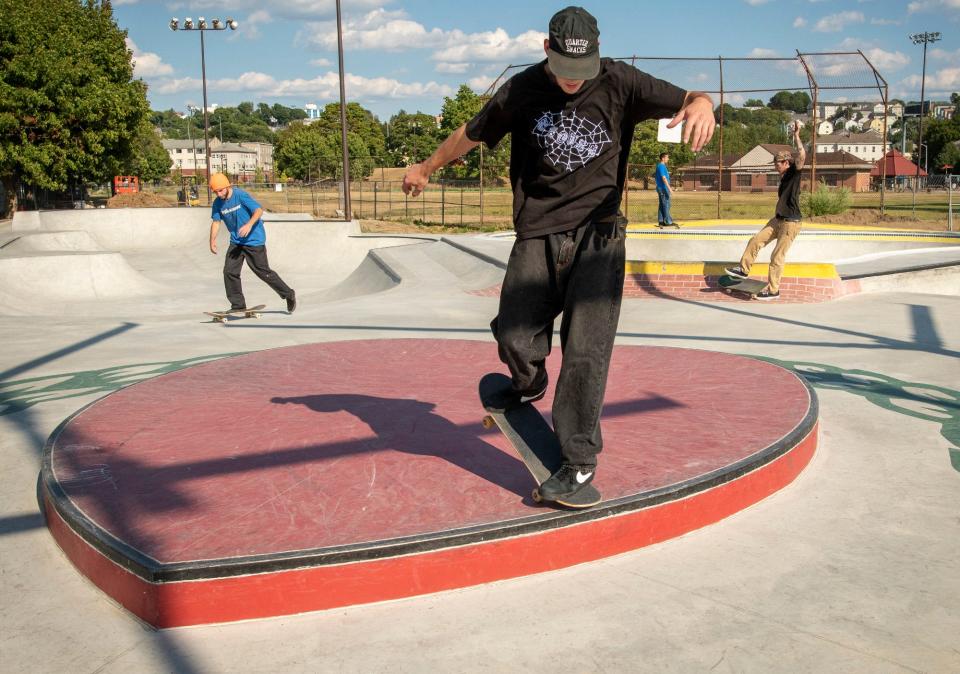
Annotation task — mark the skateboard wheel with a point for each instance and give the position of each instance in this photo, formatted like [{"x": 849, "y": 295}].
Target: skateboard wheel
[
  {"x": 488, "y": 422},
  {"x": 536, "y": 496}
]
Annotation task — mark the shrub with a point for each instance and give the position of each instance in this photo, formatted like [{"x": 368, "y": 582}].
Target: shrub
[{"x": 825, "y": 201}]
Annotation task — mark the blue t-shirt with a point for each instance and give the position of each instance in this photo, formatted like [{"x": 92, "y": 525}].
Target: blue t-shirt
[
  {"x": 235, "y": 212},
  {"x": 663, "y": 178}
]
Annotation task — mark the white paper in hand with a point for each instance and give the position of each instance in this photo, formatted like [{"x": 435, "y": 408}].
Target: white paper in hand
[{"x": 665, "y": 135}]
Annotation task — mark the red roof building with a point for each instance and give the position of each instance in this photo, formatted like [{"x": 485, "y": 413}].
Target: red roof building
[{"x": 897, "y": 165}]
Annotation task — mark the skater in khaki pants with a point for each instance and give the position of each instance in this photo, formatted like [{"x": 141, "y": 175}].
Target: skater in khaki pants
[{"x": 783, "y": 226}]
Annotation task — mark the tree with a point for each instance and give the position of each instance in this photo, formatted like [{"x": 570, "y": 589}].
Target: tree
[
  {"x": 70, "y": 109},
  {"x": 360, "y": 121},
  {"x": 412, "y": 138},
  {"x": 150, "y": 161},
  {"x": 645, "y": 151},
  {"x": 753, "y": 103},
  {"x": 459, "y": 110},
  {"x": 797, "y": 101},
  {"x": 312, "y": 152}
]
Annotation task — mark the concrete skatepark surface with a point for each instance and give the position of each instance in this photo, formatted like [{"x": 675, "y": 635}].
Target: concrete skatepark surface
[{"x": 853, "y": 567}]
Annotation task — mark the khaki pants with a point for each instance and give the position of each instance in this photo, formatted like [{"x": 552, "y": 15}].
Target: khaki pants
[{"x": 784, "y": 231}]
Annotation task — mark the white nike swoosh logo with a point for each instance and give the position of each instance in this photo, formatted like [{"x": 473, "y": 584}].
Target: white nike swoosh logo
[
  {"x": 581, "y": 478},
  {"x": 526, "y": 399}
]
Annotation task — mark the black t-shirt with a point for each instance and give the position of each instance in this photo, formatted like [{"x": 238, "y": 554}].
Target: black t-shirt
[
  {"x": 788, "y": 193},
  {"x": 568, "y": 154}
]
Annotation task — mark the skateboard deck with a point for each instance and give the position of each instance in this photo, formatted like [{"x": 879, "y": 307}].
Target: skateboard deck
[
  {"x": 664, "y": 226},
  {"x": 533, "y": 439},
  {"x": 749, "y": 286},
  {"x": 224, "y": 316}
]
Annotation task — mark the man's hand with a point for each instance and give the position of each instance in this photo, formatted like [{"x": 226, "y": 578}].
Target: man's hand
[
  {"x": 415, "y": 179},
  {"x": 213, "y": 246},
  {"x": 697, "y": 112},
  {"x": 245, "y": 230}
]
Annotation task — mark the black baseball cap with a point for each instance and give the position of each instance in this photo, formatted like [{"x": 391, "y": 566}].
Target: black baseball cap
[{"x": 574, "y": 52}]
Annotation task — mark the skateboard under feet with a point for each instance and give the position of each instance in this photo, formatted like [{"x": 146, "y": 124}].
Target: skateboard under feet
[
  {"x": 733, "y": 285},
  {"x": 533, "y": 439},
  {"x": 224, "y": 316}
]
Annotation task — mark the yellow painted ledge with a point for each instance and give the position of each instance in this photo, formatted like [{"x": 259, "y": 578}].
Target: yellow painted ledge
[{"x": 820, "y": 270}]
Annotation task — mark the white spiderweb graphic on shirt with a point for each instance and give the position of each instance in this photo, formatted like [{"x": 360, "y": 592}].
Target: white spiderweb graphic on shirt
[{"x": 568, "y": 140}]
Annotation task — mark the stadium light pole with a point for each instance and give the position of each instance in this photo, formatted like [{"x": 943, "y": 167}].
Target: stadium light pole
[
  {"x": 924, "y": 39},
  {"x": 203, "y": 26},
  {"x": 347, "y": 207}
]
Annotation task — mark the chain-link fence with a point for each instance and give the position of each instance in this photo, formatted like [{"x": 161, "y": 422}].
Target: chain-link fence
[{"x": 732, "y": 180}]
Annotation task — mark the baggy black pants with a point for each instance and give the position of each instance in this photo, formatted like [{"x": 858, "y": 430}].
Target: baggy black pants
[
  {"x": 579, "y": 274},
  {"x": 256, "y": 257}
]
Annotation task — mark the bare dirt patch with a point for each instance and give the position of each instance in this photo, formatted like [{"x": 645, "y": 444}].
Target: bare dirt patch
[
  {"x": 139, "y": 200},
  {"x": 867, "y": 217}
]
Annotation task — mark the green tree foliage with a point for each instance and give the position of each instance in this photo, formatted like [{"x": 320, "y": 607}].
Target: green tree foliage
[
  {"x": 311, "y": 152},
  {"x": 360, "y": 121},
  {"x": 410, "y": 138},
  {"x": 645, "y": 152},
  {"x": 744, "y": 129},
  {"x": 939, "y": 135},
  {"x": 150, "y": 161},
  {"x": 69, "y": 106},
  {"x": 797, "y": 101},
  {"x": 753, "y": 103},
  {"x": 457, "y": 111}
]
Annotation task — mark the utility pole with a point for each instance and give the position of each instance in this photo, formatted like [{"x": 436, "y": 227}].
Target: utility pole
[{"x": 924, "y": 39}]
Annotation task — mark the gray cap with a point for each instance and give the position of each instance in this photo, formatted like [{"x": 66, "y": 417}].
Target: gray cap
[{"x": 574, "y": 52}]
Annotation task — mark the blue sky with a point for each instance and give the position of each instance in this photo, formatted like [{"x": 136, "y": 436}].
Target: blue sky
[{"x": 409, "y": 54}]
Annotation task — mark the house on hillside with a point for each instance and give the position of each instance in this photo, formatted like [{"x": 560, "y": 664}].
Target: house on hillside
[
  {"x": 187, "y": 156},
  {"x": 241, "y": 160},
  {"x": 867, "y": 146}
]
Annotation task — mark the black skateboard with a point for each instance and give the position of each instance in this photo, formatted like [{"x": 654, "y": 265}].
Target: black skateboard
[
  {"x": 745, "y": 286},
  {"x": 534, "y": 440},
  {"x": 664, "y": 225},
  {"x": 224, "y": 316}
]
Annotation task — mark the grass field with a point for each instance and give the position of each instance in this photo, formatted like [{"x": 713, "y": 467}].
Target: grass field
[{"x": 459, "y": 206}]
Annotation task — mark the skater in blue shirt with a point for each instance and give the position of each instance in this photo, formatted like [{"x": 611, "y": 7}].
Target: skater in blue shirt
[
  {"x": 248, "y": 241},
  {"x": 664, "y": 192}
]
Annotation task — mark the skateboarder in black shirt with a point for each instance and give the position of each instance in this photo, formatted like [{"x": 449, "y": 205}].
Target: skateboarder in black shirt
[
  {"x": 783, "y": 226},
  {"x": 571, "y": 118}
]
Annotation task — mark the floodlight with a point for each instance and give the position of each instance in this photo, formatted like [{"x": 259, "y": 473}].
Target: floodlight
[
  {"x": 232, "y": 23},
  {"x": 217, "y": 25},
  {"x": 173, "y": 23},
  {"x": 188, "y": 23},
  {"x": 202, "y": 25}
]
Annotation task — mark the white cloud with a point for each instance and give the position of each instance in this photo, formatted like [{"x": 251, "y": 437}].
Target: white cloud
[
  {"x": 253, "y": 23},
  {"x": 760, "y": 52},
  {"x": 324, "y": 86},
  {"x": 299, "y": 10},
  {"x": 799, "y": 22},
  {"x": 837, "y": 22},
  {"x": 885, "y": 22},
  {"x": 452, "y": 68},
  {"x": 939, "y": 82},
  {"x": 756, "y": 3},
  {"x": 321, "y": 63},
  {"x": 147, "y": 64},
  {"x": 454, "y": 51},
  {"x": 494, "y": 45},
  {"x": 933, "y": 5},
  {"x": 944, "y": 55}
]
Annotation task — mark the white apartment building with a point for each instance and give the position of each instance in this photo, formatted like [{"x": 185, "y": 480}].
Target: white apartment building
[{"x": 867, "y": 146}]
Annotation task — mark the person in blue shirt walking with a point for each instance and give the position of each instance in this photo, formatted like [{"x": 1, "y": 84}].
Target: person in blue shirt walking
[
  {"x": 248, "y": 241},
  {"x": 664, "y": 192}
]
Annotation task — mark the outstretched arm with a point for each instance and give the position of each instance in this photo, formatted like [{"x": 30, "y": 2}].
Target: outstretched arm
[
  {"x": 418, "y": 175},
  {"x": 214, "y": 228},
  {"x": 801, "y": 157},
  {"x": 697, "y": 112}
]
